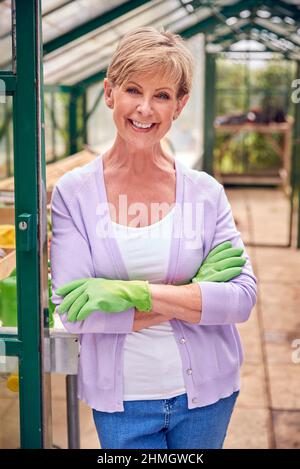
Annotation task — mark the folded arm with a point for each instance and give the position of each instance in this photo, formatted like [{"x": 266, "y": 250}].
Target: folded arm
[
  {"x": 207, "y": 302},
  {"x": 71, "y": 260},
  {"x": 170, "y": 301},
  {"x": 228, "y": 302}
]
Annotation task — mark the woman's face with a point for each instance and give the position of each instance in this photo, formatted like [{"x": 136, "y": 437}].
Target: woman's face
[{"x": 144, "y": 100}]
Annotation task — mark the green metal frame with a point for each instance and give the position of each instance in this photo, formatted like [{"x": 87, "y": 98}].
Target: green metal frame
[
  {"x": 78, "y": 135},
  {"x": 208, "y": 24},
  {"x": 73, "y": 112},
  {"x": 99, "y": 76},
  {"x": 282, "y": 8},
  {"x": 10, "y": 82},
  {"x": 247, "y": 28},
  {"x": 209, "y": 112},
  {"x": 31, "y": 243}
]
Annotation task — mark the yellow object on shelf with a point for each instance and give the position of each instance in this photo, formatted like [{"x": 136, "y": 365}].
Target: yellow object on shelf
[
  {"x": 13, "y": 382},
  {"x": 7, "y": 237}
]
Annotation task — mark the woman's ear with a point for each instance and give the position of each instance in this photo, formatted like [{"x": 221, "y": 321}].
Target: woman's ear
[
  {"x": 108, "y": 93},
  {"x": 181, "y": 102}
]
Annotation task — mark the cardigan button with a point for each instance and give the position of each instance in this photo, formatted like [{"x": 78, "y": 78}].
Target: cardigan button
[
  {"x": 183, "y": 340},
  {"x": 189, "y": 371}
]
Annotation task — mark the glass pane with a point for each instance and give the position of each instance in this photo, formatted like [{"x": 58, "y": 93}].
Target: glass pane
[
  {"x": 62, "y": 122},
  {"x": 6, "y": 141},
  {"x": 49, "y": 126},
  {"x": 8, "y": 303},
  {"x": 9, "y": 401},
  {"x": 185, "y": 138},
  {"x": 233, "y": 74},
  {"x": 5, "y": 35},
  {"x": 101, "y": 128},
  {"x": 56, "y": 124},
  {"x": 272, "y": 74}
]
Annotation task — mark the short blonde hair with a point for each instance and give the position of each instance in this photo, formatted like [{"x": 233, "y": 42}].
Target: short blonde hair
[{"x": 147, "y": 50}]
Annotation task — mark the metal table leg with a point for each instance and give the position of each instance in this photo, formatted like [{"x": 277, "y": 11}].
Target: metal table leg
[{"x": 72, "y": 412}]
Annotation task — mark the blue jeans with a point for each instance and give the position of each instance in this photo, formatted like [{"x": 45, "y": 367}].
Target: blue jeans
[{"x": 165, "y": 423}]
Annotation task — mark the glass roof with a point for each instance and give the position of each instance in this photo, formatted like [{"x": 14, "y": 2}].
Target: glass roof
[
  {"x": 81, "y": 35},
  {"x": 274, "y": 25},
  {"x": 92, "y": 52},
  {"x": 61, "y": 16}
]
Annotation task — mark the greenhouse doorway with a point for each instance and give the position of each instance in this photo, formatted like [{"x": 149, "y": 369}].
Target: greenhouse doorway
[{"x": 253, "y": 140}]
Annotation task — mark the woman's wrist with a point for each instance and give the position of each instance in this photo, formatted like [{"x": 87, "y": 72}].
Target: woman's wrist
[
  {"x": 144, "y": 319},
  {"x": 182, "y": 302}
]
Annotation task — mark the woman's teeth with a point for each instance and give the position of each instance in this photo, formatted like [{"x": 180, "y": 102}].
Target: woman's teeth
[{"x": 139, "y": 125}]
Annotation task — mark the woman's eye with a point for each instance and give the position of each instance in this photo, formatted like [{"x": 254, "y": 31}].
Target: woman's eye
[
  {"x": 163, "y": 96},
  {"x": 136, "y": 91},
  {"x": 132, "y": 90}
]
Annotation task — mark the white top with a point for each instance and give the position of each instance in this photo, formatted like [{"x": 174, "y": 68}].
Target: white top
[{"x": 152, "y": 366}]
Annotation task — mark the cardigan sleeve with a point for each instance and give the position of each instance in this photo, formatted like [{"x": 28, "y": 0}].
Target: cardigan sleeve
[
  {"x": 70, "y": 260},
  {"x": 228, "y": 302}
]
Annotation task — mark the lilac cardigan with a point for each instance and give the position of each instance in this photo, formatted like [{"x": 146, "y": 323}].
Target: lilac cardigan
[{"x": 83, "y": 246}]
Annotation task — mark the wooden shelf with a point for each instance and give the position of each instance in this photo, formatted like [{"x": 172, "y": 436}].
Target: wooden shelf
[{"x": 53, "y": 171}]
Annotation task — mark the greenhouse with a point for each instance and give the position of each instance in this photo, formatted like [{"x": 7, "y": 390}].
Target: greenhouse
[{"x": 240, "y": 129}]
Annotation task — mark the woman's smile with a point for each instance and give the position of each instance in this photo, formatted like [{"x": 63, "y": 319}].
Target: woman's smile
[{"x": 141, "y": 127}]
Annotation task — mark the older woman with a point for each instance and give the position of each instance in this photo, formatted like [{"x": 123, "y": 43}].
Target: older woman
[{"x": 130, "y": 230}]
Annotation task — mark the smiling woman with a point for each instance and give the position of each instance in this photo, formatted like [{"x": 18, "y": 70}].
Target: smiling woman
[
  {"x": 153, "y": 375},
  {"x": 147, "y": 104},
  {"x": 147, "y": 85}
]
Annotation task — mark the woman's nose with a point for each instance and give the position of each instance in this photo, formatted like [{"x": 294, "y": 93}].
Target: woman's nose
[{"x": 145, "y": 107}]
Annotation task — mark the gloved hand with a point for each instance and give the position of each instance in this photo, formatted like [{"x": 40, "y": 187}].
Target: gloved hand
[
  {"x": 84, "y": 296},
  {"x": 222, "y": 264}
]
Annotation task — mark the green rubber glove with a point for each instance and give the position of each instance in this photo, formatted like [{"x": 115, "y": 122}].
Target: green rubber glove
[
  {"x": 222, "y": 264},
  {"x": 51, "y": 306},
  {"x": 84, "y": 296}
]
